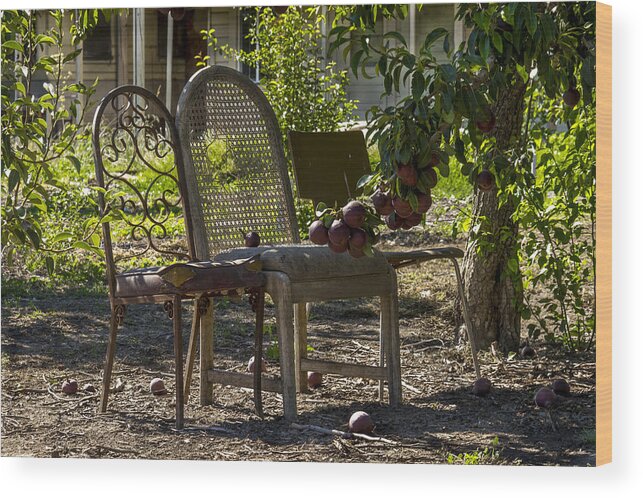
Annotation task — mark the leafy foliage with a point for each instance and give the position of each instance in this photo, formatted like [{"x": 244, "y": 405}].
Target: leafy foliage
[
  {"x": 557, "y": 213},
  {"x": 42, "y": 120},
  {"x": 306, "y": 91},
  {"x": 448, "y": 110}
]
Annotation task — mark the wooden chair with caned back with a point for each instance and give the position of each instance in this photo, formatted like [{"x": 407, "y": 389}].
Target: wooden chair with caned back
[
  {"x": 238, "y": 181},
  {"x": 142, "y": 203},
  {"x": 327, "y": 168}
]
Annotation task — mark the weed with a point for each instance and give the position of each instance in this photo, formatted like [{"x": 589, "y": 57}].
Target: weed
[{"x": 488, "y": 456}]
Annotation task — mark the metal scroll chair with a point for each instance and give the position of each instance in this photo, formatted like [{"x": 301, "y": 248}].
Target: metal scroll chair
[
  {"x": 139, "y": 171},
  {"x": 238, "y": 181},
  {"x": 327, "y": 167}
]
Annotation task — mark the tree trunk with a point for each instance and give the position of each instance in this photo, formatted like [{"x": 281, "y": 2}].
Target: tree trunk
[{"x": 494, "y": 298}]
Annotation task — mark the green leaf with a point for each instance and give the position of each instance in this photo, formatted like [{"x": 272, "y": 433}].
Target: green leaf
[
  {"x": 62, "y": 236},
  {"x": 34, "y": 237},
  {"x": 12, "y": 45},
  {"x": 14, "y": 177},
  {"x": 532, "y": 22},
  {"x": 433, "y": 36},
  {"x": 72, "y": 55},
  {"x": 397, "y": 36},
  {"x": 364, "y": 180},
  {"x": 75, "y": 162},
  {"x": 355, "y": 60},
  {"x": 522, "y": 72},
  {"x": 417, "y": 85},
  {"x": 51, "y": 266},
  {"x": 449, "y": 72},
  {"x": 497, "y": 41}
]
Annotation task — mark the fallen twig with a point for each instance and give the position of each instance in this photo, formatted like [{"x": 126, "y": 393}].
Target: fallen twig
[
  {"x": 28, "y": 390},
  {"x": 116, "y": 450},
  {"x": 206, "y": 428},
  {"x": 345, "y": 435},
  {"x": 361, "y": 346},
  {"x": 411, "y": 388}
]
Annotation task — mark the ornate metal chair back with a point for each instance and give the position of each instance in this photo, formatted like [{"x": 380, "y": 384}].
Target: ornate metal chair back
[
  {"x": 139, "y": 170},
  {"x": 236, "y": 170}
]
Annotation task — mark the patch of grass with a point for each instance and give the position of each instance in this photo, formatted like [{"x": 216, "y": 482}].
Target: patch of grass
[
  {"x": 588, "y": 436},
  {"x": 455, "y": 185},
  {"x": 488, "y": 456}
]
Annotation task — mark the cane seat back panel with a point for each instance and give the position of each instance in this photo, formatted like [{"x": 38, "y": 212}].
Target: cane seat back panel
[
  {"x": 142, "y": 196},
  {"x": 235, "y": 163}
]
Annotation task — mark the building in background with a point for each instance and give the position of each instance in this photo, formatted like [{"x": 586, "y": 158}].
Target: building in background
[{"x": 132, "y": 48}]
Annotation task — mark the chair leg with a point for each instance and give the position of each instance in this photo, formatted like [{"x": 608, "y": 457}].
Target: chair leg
[
  {"x": 301, "y": 345},
  {"x": 385, "y": 320},
  {"x": 189, "y": 361},
  {"x": 278, "y": 286},
  {"x": 178, "y": 360},
  {"x": 116, "y": 319},
  {"x": 206, "y": 359},
  {"x": 258, "y": 304},
  {"x": 393, "y": 346},
  {"x": 467, "y": 317}
]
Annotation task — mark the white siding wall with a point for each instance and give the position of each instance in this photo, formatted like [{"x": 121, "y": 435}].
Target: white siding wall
[{"x": 225, "y": 21}]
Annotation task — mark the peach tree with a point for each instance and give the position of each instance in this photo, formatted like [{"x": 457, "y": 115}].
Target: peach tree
[{"x": 478, "y": 107}]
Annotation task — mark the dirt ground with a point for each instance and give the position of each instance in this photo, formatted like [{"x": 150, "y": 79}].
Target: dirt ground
[{"x": 48, "y": 338}]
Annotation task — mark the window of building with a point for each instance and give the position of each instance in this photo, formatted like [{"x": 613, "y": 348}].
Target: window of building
[
  {"x": 98, "y": 44},
  {"x": 248, "y": 17}
]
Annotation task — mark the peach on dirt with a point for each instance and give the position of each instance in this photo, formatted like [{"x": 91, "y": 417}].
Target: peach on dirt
[
  {"x": 527, "y": 352},
  {"x": 251, "y": 365},
  {"x": 314, "y": 380},
  {"x": 70, "y": 386},
  {"x": 545, "y": 398},
  {"x": 361, "y": 422},
  {"x": 157, "y": 387},
  {"x": 318, "y": 233},
  {"x": 560, "y": 387},
  {"x": 481, "y": 387},
  {"x": 354, "y": 214}
]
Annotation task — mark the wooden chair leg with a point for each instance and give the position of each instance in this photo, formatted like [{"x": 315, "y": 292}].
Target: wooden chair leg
[
  {"x": 206, "y": 358},
  {"x": 385, "y": 321},
  {"x": 467, "y": 317},
  {"x": 393, "y": 347},
  {"x": 278, "y": 286},
  {"x": 258, "y": 304},
  {"x": 301, "y": 345},
  {"x": 189, "y": 361},
  {"x": 114, "y": 322},
  {"x": 178, "y": 360}
]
